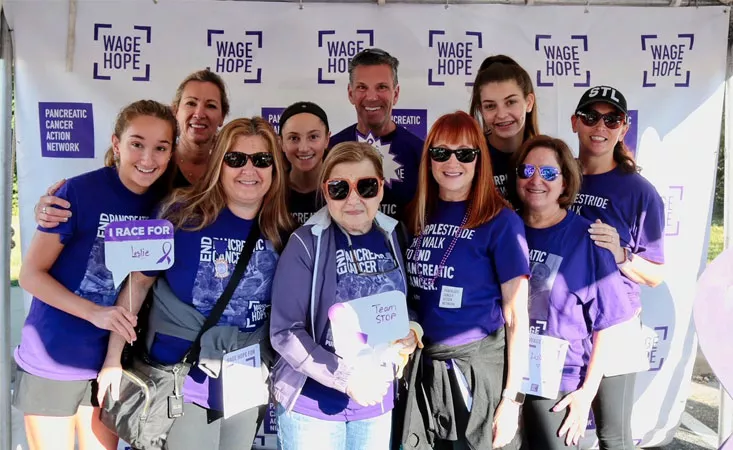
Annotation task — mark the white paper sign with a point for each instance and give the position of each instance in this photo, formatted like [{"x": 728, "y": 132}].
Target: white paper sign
[
  {"x": 368, "y": 322},
  {"x": 629, "y": 352},
  {"x": 137, "y": 245},
  {"x": 546, "y": 361},
  {"x": 243, "y": 380}
]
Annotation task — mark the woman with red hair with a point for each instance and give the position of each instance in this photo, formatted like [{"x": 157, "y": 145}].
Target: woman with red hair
[{"x": 467, "y": 268}]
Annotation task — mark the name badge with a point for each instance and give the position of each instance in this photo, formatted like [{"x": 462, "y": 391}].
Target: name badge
[
  {"x": 243, "y": 380},
  {"x": 451, "y": 297},
  {"x": 546, "y": 361}
]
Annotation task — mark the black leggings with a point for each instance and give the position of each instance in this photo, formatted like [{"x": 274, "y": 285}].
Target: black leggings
[
  {"x": 611, "y": 411},
  {"x": 541, "y": 424},
  {"x": 193, "y": 431}
]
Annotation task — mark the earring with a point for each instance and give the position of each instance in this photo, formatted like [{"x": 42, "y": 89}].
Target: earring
[{"x": 116, "y": 158}]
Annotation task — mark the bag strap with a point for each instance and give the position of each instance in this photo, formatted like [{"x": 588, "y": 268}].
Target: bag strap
[{"x": 254, "y": 234}]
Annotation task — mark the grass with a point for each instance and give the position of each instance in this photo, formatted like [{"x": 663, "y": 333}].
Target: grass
[
  {"x": 15, "y": 258},
  {"x": 716, "y": 239}
]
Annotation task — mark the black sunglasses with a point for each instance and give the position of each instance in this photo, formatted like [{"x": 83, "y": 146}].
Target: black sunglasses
[
  {"x": 339, "y": 188},
  {"x": 547, "y": 173},
  {"x": 261, "y": 160},
  {"x": 464, "y": 155},
  {"x": 591, "y": 117}
]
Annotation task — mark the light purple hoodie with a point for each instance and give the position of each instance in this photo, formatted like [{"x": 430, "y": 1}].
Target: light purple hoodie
[{"x": 309, "y": 261}]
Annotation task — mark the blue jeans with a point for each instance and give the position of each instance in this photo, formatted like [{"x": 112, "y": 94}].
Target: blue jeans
[{"x": 300, "y": 432}]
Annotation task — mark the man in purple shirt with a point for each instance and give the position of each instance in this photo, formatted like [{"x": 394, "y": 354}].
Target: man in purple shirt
[{"x": 373, "y": 90}]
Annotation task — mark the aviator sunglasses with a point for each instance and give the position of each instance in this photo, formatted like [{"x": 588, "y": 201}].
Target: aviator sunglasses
[
  {"x": 464, "y": 155},
  {"x": 339, "y": 188},
  {"x": 235, "y": 160},
  {"x": 547, "y": 173},
  {"x": 591, "y": 117}
]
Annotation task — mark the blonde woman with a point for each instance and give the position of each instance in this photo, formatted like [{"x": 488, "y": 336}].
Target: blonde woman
[{"x": 246, "y": 183}]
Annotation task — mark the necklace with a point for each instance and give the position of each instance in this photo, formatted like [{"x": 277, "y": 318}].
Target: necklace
[
  {"x": 189, "y": 173},
  {"x": 447, "y": 253}
]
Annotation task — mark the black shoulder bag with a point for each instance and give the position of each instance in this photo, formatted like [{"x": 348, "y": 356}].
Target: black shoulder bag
[{"x": 151, "y": 396}]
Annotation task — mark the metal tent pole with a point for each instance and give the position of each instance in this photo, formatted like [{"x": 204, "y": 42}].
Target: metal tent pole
[{"x": 6, "y": 194}]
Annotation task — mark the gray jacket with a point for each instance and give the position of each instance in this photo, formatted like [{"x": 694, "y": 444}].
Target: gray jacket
[
  {"x": 171, "y": 316},
  {"x": 303, "y": 290}
]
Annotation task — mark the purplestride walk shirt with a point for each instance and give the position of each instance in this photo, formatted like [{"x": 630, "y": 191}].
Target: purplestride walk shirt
[
  {"x": 463, "y": 304},
  {"x": 58, "y": 345},
  {"x": 574, "y": 290},
  {"x": 366, "y": 268},
  {"x": 401, "y": 152},
  {"x": 500, "y": 166},
  {"x": 631, "y": 204},
  {"x": 205, "y": 261}
]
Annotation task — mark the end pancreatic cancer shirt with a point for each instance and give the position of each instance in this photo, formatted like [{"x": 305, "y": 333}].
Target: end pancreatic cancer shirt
[
  {"x": 401, "y": 152},
  {"x": 574, "y": 289},
  {"x": 629, "y": 203},
  {"x": 365, "y": 268},
  {"x": 58, "y": 345},
  {"x": 205, "y": 261},
  {"x": 460, "y": 302}
]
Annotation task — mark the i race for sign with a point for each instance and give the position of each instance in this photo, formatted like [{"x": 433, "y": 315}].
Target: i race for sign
[{"x": 137, "y": 245}]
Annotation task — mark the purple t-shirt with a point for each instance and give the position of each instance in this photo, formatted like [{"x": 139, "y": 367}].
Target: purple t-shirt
[
  {"x": 460, "y": 302},
  {"x": 401, "y": 151},
  {"x": 367, "y": 267},
  {"x": 205, "y": 261},
  {"x": 58, "y": 345},
  {"x": 500, "y": 166},
  {"x": 574, "y": 290},
  {"x": 631, "y": 204}
]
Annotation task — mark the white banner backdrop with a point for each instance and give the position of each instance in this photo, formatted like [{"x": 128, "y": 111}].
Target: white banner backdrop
[{"x": 669, "y": 62}]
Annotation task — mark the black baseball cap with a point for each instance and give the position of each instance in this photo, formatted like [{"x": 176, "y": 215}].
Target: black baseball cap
[
  {"x": 303, "y": 107},
  {"x": 603, "y": 94}
]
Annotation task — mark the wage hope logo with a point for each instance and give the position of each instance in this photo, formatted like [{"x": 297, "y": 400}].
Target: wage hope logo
[
  {"x": 453, "y": 57},
  {"x": 122, "y": 52},
  {"x": 236, "y": 54},
  {"x": 563, "y": 59},
  {"x": 341, "y": 46},
  {"x": 667, "y": 59}
]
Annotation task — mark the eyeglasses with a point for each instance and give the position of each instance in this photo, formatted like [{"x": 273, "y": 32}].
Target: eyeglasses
[
  {"x": 611, "y": 120},
  {"x": 464, "y": 155},
  {"x": 260, "y": 160},
  {"x": 339, "y": 188},
  {"x": 547, "y": 173}
]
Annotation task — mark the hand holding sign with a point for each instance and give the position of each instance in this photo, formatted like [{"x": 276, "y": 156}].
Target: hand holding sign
[
  {"x": 137, "y": 245},
  {"x": 367, "y": 324}
]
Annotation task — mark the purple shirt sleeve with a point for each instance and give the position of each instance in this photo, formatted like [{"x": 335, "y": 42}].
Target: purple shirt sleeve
[
  {"x": 650, "y": 242},
  {"x": 509, "y": 247},
  {"x": 289, "y": 330},
  {"x": 66, "y": 230},
  {"x": 610, "y": 305}
]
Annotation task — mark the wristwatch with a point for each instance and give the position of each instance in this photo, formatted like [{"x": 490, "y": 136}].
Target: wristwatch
[
  {"x": 513, "y": 396},
  {"x": 628, "y": 254}
]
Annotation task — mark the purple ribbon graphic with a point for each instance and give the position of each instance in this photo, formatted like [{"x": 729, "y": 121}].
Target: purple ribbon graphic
[{"x": 167, "y": 247}]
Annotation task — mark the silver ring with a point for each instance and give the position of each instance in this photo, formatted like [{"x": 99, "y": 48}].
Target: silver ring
[{"x": 43, "y": 210}]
